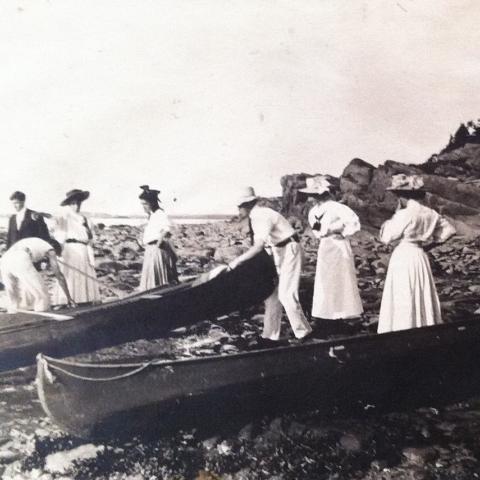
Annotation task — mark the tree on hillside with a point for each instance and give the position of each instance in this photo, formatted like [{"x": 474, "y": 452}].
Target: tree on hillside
[
  {"x": 469, "y": 133},
  {"x": 476, "y": 130}
]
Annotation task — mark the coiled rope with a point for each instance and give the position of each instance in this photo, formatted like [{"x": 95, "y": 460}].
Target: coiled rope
[{"x": 49, "y": 366}]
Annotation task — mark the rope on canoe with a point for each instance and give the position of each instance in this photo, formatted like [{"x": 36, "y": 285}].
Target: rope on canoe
[{"x": 142, "y": 367}]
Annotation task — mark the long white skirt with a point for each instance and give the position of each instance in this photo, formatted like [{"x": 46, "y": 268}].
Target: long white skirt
[
  {"x": 154, "y": 268},
  {"x": 409, "y": 297},
  {"x": 81, "y": 278},
  {"x": 335, "y": 294}
]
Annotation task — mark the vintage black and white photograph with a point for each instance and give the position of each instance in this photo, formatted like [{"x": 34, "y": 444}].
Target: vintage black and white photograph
[{"x": 239, "y": 240}]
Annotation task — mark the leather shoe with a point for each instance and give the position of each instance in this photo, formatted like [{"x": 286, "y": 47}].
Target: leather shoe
[
  {"x": 266, "y": 343},
  {"x": 300, "y": 341}
]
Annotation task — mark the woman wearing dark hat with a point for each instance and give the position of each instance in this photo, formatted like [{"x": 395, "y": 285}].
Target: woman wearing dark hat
[
  {"x": 159, "y": 262},
  {"x": 409, "y": 297},
  {"x": 75, "y": 232}
]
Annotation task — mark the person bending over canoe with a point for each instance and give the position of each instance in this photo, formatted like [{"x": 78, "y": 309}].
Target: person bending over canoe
[
  {"x": 159, "y": 262},
  {"x": 409, "y": 297},
  {"x": 335, "y": 296},
  {"x": 19, "y": 273},
  {"x": 268, "y": 227}
]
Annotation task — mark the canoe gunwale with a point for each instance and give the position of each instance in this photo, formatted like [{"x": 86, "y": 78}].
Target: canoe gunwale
[
  {"x": 326, "y": 365},
  {"x": 336, "y": 344}
]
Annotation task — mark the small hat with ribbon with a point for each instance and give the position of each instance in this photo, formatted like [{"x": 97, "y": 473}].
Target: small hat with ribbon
[
  {"x": 149, "y": 193},
  {"x": 316, "y": 185},
  {"x": 406, "y": 183}
]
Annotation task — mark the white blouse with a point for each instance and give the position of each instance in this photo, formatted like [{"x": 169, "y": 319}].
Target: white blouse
[
  {"x": 71, "y": 225},
  {"x": 335, "y": 219},
  {"x": 269, "y": 226},
  {"x": 158, "y": 225},
  {"x": 416, "y": 223}
]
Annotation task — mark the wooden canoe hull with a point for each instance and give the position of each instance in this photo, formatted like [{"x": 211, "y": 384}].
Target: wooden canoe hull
[
  {"x": 414, "y": 367},
  {"x": 146, "y": 315}
]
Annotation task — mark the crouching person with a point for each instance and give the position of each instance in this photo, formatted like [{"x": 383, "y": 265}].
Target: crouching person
[{"x": 21, "y": 278}]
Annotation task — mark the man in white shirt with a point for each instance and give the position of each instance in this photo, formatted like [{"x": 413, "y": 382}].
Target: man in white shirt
[{"x": 269, "y": 228}]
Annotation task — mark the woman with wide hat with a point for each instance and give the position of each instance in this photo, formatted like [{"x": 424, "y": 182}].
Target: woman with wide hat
[
  {"x": 410, "y": 298},
  {"x": 335, "y": 294},
  {"x": 75, "y": 231},
  {"x": 159, "y": 262}
]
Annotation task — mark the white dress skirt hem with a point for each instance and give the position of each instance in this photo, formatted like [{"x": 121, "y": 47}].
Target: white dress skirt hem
[
  {"x": 154, "y": 268},
  {"x": 336, "y": 295},
  {"x": 82, "y": 288},
  {"x": 409, "y": 297}
]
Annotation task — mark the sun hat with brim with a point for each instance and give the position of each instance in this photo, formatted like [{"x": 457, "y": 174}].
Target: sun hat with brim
[
  {"x": 316, "y": 186},
  {"x": 406, "y": 183},
  {"x": 247, "y": 196},
  {"x": 75, "y": 195}
]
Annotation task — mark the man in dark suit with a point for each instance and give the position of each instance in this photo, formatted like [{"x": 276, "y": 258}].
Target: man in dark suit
[{"x": 25, "y": 223}]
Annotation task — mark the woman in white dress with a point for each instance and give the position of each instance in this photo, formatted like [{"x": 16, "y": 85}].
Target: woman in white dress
[
  {"x": 75, "y": 232},
  {"x": 410, "y": 298},
  {"x": 335, "y": 294},
  {"x": 159, "y": 262}
]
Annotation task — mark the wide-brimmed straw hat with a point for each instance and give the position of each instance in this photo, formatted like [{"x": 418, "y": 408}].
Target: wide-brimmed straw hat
[
  {"x": 74, "y": 195},
  {"x": 247, "y": 196},
  {"x": 316, "y": 185},
  {"x": 406, "y": 183}
]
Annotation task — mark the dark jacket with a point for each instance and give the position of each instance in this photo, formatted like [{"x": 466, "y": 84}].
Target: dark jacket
[{"x": 33, "y": 225}]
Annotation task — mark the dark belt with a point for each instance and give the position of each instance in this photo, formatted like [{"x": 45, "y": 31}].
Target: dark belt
[
  {"x": 294, "y": 238},
  {"x": 74, "y": 240}
]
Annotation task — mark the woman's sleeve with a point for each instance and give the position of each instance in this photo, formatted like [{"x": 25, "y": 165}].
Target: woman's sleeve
[
  {"x": 351, "y": 224},
  {"x": 393, "y": 229},
  {"x": 58, "y": 225},
  {"x": 443, "y": 230},
  {"x": 162, "y": 224},
  {"x": 333, "y": 226},
  {"x": 347, "y": 224}
]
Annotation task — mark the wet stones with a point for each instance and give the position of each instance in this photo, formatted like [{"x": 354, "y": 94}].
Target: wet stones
[
  {"x": 420, "y": 456},
  {"x": 351, "y": 442}
]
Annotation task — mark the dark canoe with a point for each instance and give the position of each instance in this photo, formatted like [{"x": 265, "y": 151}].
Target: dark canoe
[
  {"x": 146, "y": 315},
  {"x": 410, "y": 368}
]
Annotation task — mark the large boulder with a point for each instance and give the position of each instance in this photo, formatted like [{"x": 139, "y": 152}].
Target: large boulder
[{"x": 356, "y": 177}]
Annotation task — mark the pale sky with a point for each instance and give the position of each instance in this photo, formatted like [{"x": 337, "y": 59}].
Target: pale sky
[{"x": 200, "y": 98}]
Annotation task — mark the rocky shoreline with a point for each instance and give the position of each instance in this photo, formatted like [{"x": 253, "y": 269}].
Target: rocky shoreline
[{"x": 428, "y": 443}]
